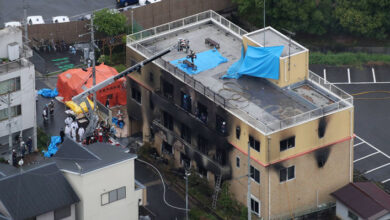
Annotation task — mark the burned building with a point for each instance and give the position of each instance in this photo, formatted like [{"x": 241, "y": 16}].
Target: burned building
[{"x": 202, "y": 121}]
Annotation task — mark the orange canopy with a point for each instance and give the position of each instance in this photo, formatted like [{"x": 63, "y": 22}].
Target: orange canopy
[{"x": 75, "y": 81}]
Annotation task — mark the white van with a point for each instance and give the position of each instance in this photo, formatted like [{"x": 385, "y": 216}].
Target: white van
[
  {"x": 60, "y": 19},
  {"x": 35, "y": 20}
]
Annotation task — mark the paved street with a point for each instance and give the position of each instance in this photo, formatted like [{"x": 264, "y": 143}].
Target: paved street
[{"x": 13, "y": 10}]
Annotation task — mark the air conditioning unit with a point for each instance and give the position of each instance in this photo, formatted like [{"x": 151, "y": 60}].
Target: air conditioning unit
[{"x": 13, "y": 51}]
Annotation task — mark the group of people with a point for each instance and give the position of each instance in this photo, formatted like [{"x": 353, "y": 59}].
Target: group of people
[
  {"x": 22, "y": 149},
  {"x": 48, "y": 109},
  {"x": 72, "y": 129}
]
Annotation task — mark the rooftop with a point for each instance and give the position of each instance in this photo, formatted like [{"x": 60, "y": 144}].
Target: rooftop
[
  {"x": 364, "y": 198},
  {"x": 255, "y": 100},
  {"x": 73, "y": 157},
  {"x": 34, "y": 190}
]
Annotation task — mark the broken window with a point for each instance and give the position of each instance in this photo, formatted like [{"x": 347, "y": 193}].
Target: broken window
[
  {"x": 255, "y": 206},
  {"x": 238, "y": 132},
  {"x": 255, "y": 174},
  {"x": 167, "y": 90},
  {"x": 168, "y": 121},
  {"x": 286, "y": 174},
  {"x": 253, "y": 143},
  {"x": 220, "y": 124},
  {"x": 185, "y": 101},
  {"x": 185, "y": 133},
  {"x": 287, "y": 143},
  {"x": 202, "y": 145},
  {"x": 185, "y": 161},
  {"x": 167, "y": 148},
  {"x": 136, "y": 94},
  {"x": 201, "y": 112}
]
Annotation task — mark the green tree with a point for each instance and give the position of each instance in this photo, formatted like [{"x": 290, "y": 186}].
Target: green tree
[{"x": 111, "y": 24}]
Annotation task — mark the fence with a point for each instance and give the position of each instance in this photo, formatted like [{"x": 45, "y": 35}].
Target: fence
[{"x": 133, "y": 40}]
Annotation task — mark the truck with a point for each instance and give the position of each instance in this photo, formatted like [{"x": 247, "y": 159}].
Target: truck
[{"x": 125, "y": 3}]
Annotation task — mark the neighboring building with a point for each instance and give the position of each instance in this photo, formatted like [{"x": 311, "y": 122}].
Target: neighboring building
[
  {"x": 38, "y": 192},
  {"x": 299, "y": 128},
  {"x": 17, "y": 76},
  {"x": 362, "y": 200},
  {"x": 103, "y": 177}
]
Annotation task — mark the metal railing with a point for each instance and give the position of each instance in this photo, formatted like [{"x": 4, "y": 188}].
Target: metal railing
[
  {"x": 24, "y": 53},
  {"x": 185, "y": 22},
  {"x": 345, "y": 101}
]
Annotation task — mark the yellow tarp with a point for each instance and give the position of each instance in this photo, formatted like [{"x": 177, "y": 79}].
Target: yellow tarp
[{"x": 77, "y": 108}]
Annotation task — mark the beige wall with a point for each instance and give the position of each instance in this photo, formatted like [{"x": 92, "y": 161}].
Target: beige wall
[{"x": 89, "y": 187}]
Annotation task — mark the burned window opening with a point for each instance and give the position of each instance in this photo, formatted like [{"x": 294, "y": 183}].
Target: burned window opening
[
  {"x": 202, "y": 171},
  {"x": 151, "y": 104},
  {"x": 238, "y": 162},
  {"x": 136, "y": 95},
  {"x": 201, "y": 112},
  {"x": 238, "y": 132},
  {"x": 220, "y": 157},
  {"x": 168, "y": 121},
  {"x": 186, "y": 101},
  {"x": 287, "y": 143},
  {"x": 220, "y": 124},
  {"x": 185, "y": 133},
  {"x": 185, "y": 161},
  {"x": 151, "y": 77},
  {"x": 167, "y": 148},
  {"x": 253, "y": 143},
  {"x": 202, "y": 145},
  {"x": 321, "y": 127},
  {"x": 322, "y": 156},
  {"x": 167, "y": 89}
]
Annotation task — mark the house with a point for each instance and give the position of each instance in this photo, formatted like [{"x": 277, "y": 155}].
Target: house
[
  {"x": 102, "y": 176},
  {"x": 297, "y": 126},
  {"x": 362, "y": 200},
  {"x": 17, "y": 78},
  {"x": 36, "y": 192}
]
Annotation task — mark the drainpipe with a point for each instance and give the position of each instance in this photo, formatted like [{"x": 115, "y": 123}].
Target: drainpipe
[{"x": 269, "y": 178}]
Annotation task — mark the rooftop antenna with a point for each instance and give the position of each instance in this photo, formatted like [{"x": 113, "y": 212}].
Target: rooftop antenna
[{"x": 290, "y": 33}]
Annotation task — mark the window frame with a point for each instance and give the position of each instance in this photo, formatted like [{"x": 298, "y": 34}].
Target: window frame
[
  {"x": 253, "y": 175},
  {"x": 14, "y": 82},
  {"x": 253, "y": 142},
  {"x": 168, "y": 121},
  {"x": 253, "y": 198},
  {"x": 238, "y": 162},
  {"x": 116, "y": 191},
  {"x": 352, "y": 215},
  {"x": 62, "y": 216},
  {"x": 185, "y": 133},
  {"x": 286, "y": 142},
  {"x": 136, "y": 94},
  {"x": 287, "y": 174},
  {"x": 16, "y": 111}
]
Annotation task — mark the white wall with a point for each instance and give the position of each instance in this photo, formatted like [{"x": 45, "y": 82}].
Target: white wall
[
  {"x": 386, "y": 217},
  {"x": 7, "y": 36},
  {"x": 342, "y": 211},
  {"x": 89, "y": 187},
  {"x": 50, "y": 215},
  {"x": 25, "y": 96}
]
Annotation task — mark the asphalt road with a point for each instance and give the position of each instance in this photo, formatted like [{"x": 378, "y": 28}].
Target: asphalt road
[{"x": 12, "y": 10}]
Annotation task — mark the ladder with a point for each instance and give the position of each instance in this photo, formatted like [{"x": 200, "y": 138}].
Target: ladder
[{"x": 216, "y": 191}]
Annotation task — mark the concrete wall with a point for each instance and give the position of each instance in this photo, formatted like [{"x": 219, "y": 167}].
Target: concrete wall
[
  {"x": 89, "y": 187},
  {"x": 7, "y": 36},
  {"x": 50, "y": 215}
]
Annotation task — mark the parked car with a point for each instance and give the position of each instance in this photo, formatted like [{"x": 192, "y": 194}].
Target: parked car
[
  {"x": 35, "y": 20},
  {"x": 60, "y": 19},
  {"x": 125, "y": 3},
  {"x": 12, "y": 24}
]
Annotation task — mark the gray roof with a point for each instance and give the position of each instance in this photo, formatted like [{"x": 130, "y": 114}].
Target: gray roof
[
  {"x": 90, "y": 157},
  {"x": 35, "y": 190}
]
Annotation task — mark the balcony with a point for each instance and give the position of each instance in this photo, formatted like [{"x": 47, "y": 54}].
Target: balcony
[{"x": 192, "y": 152}]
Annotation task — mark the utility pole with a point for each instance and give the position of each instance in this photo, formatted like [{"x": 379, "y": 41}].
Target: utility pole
[
  {"x": 290, "y": 33},
  {"x": 8, "y": 103},
  {"x": 25, "y": 24},
  {"x": 264, "y": 21},
  {"x": 132, "y": 21},
  {"x": 187, "y": 174},
  {"x": 249, "y": 184},
  {"x": 93, "y": 61}
]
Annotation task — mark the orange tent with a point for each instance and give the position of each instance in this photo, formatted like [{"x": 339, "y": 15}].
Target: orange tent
[{"x": 75, "y": 81}]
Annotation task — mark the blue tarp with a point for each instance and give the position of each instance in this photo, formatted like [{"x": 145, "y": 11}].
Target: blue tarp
[
  {"x": 52, "y": 149},
  {"x": 48, "y": 93},
  {"x": 204, "y": 61},
  {"x": 118, "y": 123},
  {"x": 258, "y": 62}
]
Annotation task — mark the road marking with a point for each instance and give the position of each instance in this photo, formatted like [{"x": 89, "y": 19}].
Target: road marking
[
  {"x": 377, "y": 168},
  {"x": 349, "y": 76},
  {"x": 373, "y": 147},
  {"x": 358, "y": 144},
  {"x": 373, "y": 74},
  {"x": 384, "y": 181},
  {"x": 325, "y": 75},
  {"x": 366, "y": 156}
]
